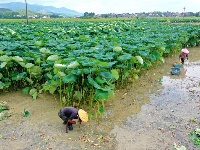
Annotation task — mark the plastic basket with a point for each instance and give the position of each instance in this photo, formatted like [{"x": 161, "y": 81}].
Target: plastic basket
[
  {"x": 175, "y": 71},
  {"x": 178, "y": 65}
]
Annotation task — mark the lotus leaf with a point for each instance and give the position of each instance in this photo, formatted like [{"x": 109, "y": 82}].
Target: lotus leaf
[
  {"x": 73, "y": 65},
  {"x": 5, "y": 58},
  {"x": 29, "y": 65},
  {"x": 3, "y": 64},
  {"x": 53, "y": 58},
  {"x": 17, "y": 58},
  {"x": 117, "y": 49},
  {"x": 60, "y": 66},
  {"x": 115, "y": 74},
  {"x": 107, "y": 75},
  {"x": 61, "y": 74},
  {"x": 70, "y": 78},
  {"x": 139, "y": 58}
]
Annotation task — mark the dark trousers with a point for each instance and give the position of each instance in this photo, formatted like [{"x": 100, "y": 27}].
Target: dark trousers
[{"x": 64, "y": 118}]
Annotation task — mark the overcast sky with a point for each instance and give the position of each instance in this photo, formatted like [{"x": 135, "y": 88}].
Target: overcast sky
[{"x": 119, "y": 6}]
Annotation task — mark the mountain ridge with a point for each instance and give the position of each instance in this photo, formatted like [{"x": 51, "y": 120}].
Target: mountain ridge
[{"x": 38, "y": 8}]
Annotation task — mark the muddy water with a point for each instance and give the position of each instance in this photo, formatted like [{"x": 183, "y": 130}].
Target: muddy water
[
  {"x": 166, "y": 117},
  {"x": 151, "y": 114}
]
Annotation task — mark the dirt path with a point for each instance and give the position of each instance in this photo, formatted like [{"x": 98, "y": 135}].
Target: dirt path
[{"x": 158, "y": 110}]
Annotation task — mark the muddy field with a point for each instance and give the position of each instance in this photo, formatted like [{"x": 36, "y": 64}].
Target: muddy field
[{"x": 158, "y": 110}]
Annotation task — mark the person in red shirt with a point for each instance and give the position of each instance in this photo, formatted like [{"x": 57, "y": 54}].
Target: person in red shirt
[{"x": 67, "y": 114}]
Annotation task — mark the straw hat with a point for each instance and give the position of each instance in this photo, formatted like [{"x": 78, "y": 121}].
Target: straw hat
[{"x": 83, "y": 115}]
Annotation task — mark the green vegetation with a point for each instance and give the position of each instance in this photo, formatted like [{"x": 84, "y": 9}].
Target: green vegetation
[
  {"x": 85, "y": 61},
  {"x": 195, "y": 136}
]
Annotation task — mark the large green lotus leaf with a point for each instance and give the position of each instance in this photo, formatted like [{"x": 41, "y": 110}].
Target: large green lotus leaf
[
  {"x": 61, "y": 74},
  {"x": 60, "y": 66},
  {"x": 86, "y": 63},
  {"x": 94, "y": 83},
  {"x": 17, "y": 58},
  {"x": 107, "y": 75},
  {"x": 53, "y": 58},
  {"x": 99, "y": 80},
  {"x": 101, "y": 95},
  {"x": 38, "y": 43},
  {"x": 38, "y": 60},
  {"x": 29, "y": 65},
  {"x": 73, "y": 65},
  {"x": 140, "y": 59},
  {"x": 125, "y": 57},
  {"x": 117, "y": 49},
  {"x": 3, "y": 64},
  {"x": 77, "y": 72},
  {"x": 143, "y": 53},
  {"x": 45, "y": 50},
  {"x": 157, "y": 54},
  {"x": 115, "y": 74},
  {"x": 5, "y": 58},
  {"x": 152, "y": 57},
  {"x": 11, "y": 31},
  {"x": 70, "y": 78},
  {"x": 55, "y": 82},
  {"x": 36, "y": 69},
  {"x": 22, "y": 64}
]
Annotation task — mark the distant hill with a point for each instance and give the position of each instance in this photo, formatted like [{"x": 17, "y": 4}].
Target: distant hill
[{"x": 15, "y": 6}]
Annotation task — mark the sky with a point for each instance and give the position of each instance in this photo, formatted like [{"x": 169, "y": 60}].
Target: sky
[{"x": 119, "y": 6}]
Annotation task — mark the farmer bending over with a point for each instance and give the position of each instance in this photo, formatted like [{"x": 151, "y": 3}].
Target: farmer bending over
[
  {"x": 183, "y": 55},
  {"x": 67, "y": 114}
]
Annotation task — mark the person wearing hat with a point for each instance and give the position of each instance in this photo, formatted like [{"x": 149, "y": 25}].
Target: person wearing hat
[
  {"x": 183, "y": 55},
  {"x": 67, "y": 114}
]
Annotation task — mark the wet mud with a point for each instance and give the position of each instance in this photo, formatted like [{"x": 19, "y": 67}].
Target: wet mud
[{"x": 156, "y": 111}]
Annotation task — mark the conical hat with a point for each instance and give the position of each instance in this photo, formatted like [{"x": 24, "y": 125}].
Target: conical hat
[
  {"x": 185, "y": 51},
  {"x": 83, "y": 115}
]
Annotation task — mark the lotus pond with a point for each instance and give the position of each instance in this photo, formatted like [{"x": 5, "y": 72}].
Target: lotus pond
[{"x": 85, "y": 61}]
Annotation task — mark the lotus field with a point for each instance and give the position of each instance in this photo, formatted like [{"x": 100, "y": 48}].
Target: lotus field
[{"x": 85, "y": 61}]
